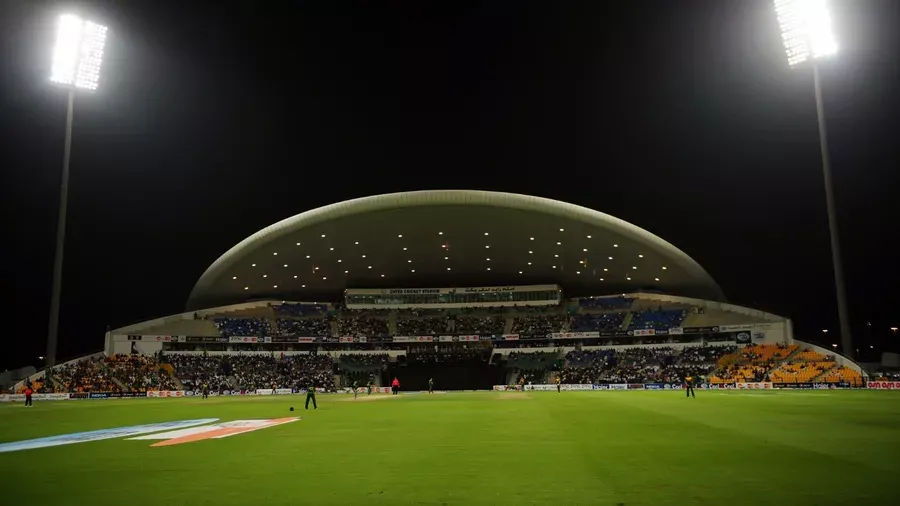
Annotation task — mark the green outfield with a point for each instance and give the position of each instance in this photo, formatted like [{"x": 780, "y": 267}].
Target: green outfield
[{"x": 722, "y": 449}]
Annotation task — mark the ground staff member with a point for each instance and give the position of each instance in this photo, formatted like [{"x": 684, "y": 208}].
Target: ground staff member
[{"x": 311, "y": 395}]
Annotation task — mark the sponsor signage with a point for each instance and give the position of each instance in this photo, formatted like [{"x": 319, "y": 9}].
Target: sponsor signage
[
  {"x": 802, "y": 386},
  {"x": 568, "y": 388},
  {"x": 699, "y": 330},
  {"x": 277, "y": 391},
  {"x": 763, "y": 385},
  {"x": 717, "y": 386},
  {"x": 403, "y": 339},
  {"x": 306, "y": 339},
  {"x": 214, "y": 431},
  {"x": 644, "y": 332},
  {"x": 243, "y": 339},
  {"x": 742, "y": 337},
  {"x": 126, "y": 395},
  {"x": 573, "y": 335},
  {"x": 469, "y": 338},
  {"x": 166, "y": 393},
  {"x": 202, "y": 339},
  {"x": 164, "y": 339},
  {"x": 676, "y": 331},
  {"x": 830, "y": 386},
  {"x": 883, "y": 385},
  {"x": 510, "y": 337},
  {"x": 36, "y": 397},
  {"x": 98, "y": 435},
  {"x": 618, "y": 386},
  {"x": 446, "y": 339}
]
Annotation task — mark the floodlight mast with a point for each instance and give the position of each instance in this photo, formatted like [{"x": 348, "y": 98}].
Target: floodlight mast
[
  {"x": 77, "y": 57},
  {"x": 808, "y": 36}
]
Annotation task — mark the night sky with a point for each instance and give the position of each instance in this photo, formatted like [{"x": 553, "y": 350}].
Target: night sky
[{"x": 213, "y": 121}]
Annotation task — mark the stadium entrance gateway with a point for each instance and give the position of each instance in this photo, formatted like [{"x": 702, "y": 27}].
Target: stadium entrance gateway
[{"x": 435, "y": 298}]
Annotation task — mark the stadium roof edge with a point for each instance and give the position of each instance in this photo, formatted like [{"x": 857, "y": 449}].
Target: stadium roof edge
[{"x": 447, "y": 198}]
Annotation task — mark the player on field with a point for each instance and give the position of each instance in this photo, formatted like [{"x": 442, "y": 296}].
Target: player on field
[
  {"x": 28, "y": 392},
  {"x": 689, "y": 387},
  {"x": 311, "y": 395},
  {"x": 558, "y": 386},
  {"x": 355, "y": 387},
  {"x": 369, "y": 387},
  {"x": 205, "y": 390},
  {"x": 395, "y": 386},
  {"x": 431, "y": 385}
]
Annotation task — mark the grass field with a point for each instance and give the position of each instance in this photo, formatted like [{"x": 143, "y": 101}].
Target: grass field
[{"x": 723, "y": 449}]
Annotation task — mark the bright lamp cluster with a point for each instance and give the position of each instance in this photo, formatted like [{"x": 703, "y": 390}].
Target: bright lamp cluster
[
  {"x": 78, "y": 53},
  {"x": 805, "y": 29}
]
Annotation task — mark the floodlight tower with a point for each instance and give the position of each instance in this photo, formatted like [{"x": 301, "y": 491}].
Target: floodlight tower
[
  {"x": 808, "y": 36},
  {"x": 76, "y": 66}
]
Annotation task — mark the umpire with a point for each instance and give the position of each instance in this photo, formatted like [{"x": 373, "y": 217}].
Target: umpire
[
  {"x": 311, "y": 395},
  {"x": 689, "y": 387}
]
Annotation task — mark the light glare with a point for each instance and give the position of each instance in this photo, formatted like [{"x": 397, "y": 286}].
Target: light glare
[
  {"x": 78, "y": 53},
  {"x": 805, "y": 29}
]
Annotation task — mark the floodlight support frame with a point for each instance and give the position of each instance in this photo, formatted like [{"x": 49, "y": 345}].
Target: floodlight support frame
[
  {"x": 53, "y": 326},
  {"x": 840, "y": 290}
]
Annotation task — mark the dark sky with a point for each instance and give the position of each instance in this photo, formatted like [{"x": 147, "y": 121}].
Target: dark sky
[{"x": 212, "y": 122}]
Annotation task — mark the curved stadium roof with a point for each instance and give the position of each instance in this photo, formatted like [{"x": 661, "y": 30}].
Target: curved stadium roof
[{"x": 448, "y": 238}]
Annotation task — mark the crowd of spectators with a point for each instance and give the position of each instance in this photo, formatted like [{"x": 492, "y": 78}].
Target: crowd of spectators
[
  {"x": 539, "y": 323},
  {"x": 656, "y": 319},
  {"x": 300, "y": 309},
  {"x": 704, "y": 354},
  {"x": 361, "y": 368},
  {"x": 363, "y": 360},
  {"x": 139, "y": 373},
  {"x": 478, "y": 325},
  {"x": 450, "y": 355},
  {"x": 243, "y": 326},
  {"x": 595, "y": 322},
  {"x": 252, "y": 372},
  {"x": 87, "y": 375},
  {"x": 639, "y": 365},
  {"x": 619, "y": 302},
  {"x": 362, "y": 325},
  {"x": 196, "y": 370},
  {"x": 305, "y": 327},
  {"x": 429, "y": 325}
]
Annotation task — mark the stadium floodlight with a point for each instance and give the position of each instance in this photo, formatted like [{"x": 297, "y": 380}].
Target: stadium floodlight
[
  {"x": 77, "y": 57},
  {"x": 808, "y": 37},
  {"x": 805, "y": 29},
  {"x": 78, "y": 53}
]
